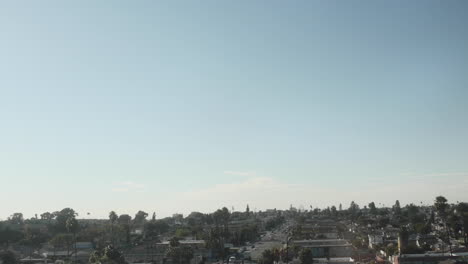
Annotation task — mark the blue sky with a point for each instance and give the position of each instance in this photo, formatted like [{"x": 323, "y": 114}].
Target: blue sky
[{"x": 181, "y": 105}]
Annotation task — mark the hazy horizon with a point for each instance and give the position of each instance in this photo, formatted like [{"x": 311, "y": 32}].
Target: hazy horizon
[
  {"x": 83, "y": 214},
  {"x": 173, "y": 108}
]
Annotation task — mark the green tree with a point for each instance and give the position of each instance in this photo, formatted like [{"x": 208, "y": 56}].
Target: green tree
[
  {"x": 33, "y": 236},
  {"x": 16, "y": 219},
  {"x": 397, "y": 208},
  {"x": 8, "y": 236},
  {"x": 109, "y": 255},
  {"x": 306, "y": 256},
  {"x": 62, "y": 217},
  {"x": 46, "y": 216},
  {"x": 403, "y": 238},
  {"x": 353, "y": 210},
  {"x": 391, "y": 250},
  {"x": 60, "y": 240},
  {"x": 72, "y": 227},
  {"x": 113, "y": 217},
  {"x": 441, "y": 206},
  {"x": 124, "y": 221},
  {"x": 178, "y": 253},
  {"x": 462, "y": 211},
  {"x": 8, "y": 257},
  {"x": 333, "y": 211},
  {"x": 268, "y": 257},
  {"x": 372, "y": 208},
  {"x": 140, "y": 217}
]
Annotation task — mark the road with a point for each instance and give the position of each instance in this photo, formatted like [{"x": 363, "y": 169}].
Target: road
[{"x": 272, "y": 239}]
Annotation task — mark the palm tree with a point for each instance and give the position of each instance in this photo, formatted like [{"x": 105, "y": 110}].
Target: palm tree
[
  {"x": 113, "y": 218},
  {"x": 306, "y": 256},
  {"x": 72, "y": 227},
  {"x": 178, "y": 253}
]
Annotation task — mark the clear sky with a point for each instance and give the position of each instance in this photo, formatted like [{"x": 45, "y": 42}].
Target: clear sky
[{"x": 175, "y": 106}]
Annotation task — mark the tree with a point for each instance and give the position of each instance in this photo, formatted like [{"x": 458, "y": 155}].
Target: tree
[
  {"x": 247, "y": 210},
  {"x": 441, "y": 206},
  {"x": 7, "y": 257},
  {"x": 109, "y": 255},
  {"x": 353, "y": 210},
  {"x": 268, "y": 257},
  {"x": 16, "y": 219},
  {"x": 154, "y": 228},
  {"x": 306, "y": 256},
  {"x": 333, "y": 211},
  {"x": 178, "y": 253},
  {"x": 8, "y": 236},
  {"x": 372, "y": 208},
  {"x": 72, "y": 227},
  {"x": 462, "y": 211},
  {"x": 422, "y": 228},
  {"x": 221, "y": 218},
  {"x": 47, "y": 216},
  {"x": 140, "y": 217},
  {"x": 124, "y": 221},
  {"x": 62, "y": 218},
  {"x": 391, "y": 249},
  {"x": 113, "y": 217},
  {"x": 62, "y": 239},
  {"x": 276, "y": 255},
  {"x": 403, "y": 238},
  {"x": 397, "y": 208},
  {"x": 413, "y": 214},
  {"x": 33, "y": 236}
]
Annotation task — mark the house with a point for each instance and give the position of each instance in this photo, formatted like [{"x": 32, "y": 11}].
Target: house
[
  {"x": 238, "y": 225},
  {"x": 346, "y": 260},
  {"x": 434, "y": 258},
  {"x": 34, "y": 260},
  {"x": 198, "y": 247},
  {"x": 326, "y": 248},
  {"x": 391, "y": 232},
  {"x": 84, "y": 246},
  {"x": 137, "y": 231},
  {"x": 426, "y": 240},
  {"x": 83, "y": 251},
  {"x": 319, "y": 229},
  {"x": 375, "y": 240}
]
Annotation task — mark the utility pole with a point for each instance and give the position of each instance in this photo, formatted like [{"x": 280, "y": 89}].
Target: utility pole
[{"x": 287, "y": 248}]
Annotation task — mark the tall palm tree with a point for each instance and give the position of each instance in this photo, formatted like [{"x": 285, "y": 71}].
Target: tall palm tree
[
  {"x": 113, "y": 219},
  {"x": 72, "y": 227}
]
